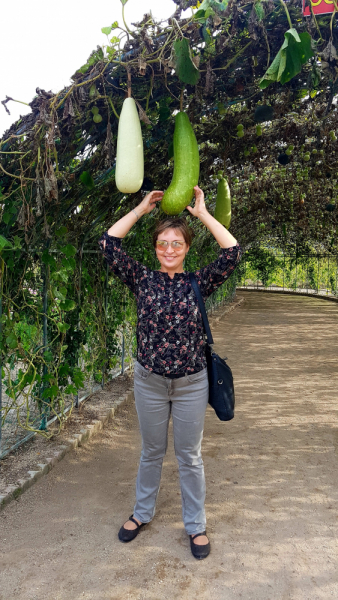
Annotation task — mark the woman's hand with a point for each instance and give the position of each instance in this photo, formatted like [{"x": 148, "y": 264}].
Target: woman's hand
[
  {"x": 149, "y": 202},
  {"x": 199, "y": 209}
]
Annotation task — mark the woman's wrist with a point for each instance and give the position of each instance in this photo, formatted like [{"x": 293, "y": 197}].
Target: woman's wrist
[
  {"x": 203, "y": 215},
  {"x": 140, "y": 210}
]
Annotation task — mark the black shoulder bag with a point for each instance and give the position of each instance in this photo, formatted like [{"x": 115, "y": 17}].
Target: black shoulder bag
[{"x": 221, "y": 383}]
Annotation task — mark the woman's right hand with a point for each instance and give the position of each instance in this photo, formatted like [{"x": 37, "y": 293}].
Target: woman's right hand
[{"x": 149, "y": 202}]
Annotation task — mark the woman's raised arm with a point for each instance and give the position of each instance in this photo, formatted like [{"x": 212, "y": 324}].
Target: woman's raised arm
[
  {"x": 121, "y": 227},
  {"x": 222, "y": 235}
]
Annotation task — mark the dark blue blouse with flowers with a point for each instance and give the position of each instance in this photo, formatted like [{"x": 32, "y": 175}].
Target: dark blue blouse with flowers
[{"x": 170, "y": 334}]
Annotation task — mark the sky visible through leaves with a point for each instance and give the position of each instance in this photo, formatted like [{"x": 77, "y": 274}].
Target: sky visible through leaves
[{"x": 42, "y": 47}]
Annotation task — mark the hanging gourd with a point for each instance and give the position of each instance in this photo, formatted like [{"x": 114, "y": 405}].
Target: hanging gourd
[
  {"x": 223, "y": 203},
  {"x": 129, "y": 172},
  {"x": 186, "y": 167}
]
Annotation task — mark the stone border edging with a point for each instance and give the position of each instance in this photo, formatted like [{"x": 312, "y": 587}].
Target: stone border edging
[
  {"x": 227, "y": 310},
  {"x": 12, "y": 492},
  {"x": 291, "y": 293}
]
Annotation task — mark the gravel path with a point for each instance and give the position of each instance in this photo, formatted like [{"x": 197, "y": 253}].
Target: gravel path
[{"x": 271, "y": 485}]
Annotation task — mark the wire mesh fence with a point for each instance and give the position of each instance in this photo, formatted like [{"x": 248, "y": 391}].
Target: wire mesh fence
[
  {"x": 98, "y": 343},
  {"x": 66, "y": 328},
  {"x": 276, "y": 271}
]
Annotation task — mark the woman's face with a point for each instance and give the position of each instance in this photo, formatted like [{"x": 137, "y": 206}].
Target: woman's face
[{"x": 171, "y": 258}]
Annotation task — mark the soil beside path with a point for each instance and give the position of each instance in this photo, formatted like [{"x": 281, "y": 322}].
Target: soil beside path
[{"x": 271, "y": 485}]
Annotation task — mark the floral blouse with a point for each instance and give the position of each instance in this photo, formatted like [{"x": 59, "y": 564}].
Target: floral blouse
[{"x": 170, "y": 333}]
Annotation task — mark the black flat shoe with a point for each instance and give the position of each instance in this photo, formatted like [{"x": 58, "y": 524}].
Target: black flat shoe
[
  {"x": 199, "y": 551},
  {"x": 127, "y": 535}
]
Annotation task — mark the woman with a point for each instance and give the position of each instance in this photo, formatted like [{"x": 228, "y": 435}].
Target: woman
[{"x": 170, "y": 371}]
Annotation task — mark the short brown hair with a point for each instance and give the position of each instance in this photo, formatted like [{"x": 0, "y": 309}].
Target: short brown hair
[{"x": 179, "y": 223}]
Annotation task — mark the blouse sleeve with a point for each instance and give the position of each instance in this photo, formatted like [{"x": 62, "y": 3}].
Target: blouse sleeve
[
  {"x": 212, "y": 276},
  {"x": 123, "y": 266}
]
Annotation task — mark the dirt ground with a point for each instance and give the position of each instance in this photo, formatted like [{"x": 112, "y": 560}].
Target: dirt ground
[
  {"x": 271, "y": 485},
  {"x": 15, "y": 466}
]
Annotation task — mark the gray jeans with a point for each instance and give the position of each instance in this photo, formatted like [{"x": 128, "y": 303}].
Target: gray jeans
[{"x": 186, "y": 398}]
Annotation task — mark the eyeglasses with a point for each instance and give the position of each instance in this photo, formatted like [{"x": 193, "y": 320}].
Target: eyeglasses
[{"x": 163, "y": 244}]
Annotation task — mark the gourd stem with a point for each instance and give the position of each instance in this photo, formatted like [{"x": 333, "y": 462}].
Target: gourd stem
[
  {"x": 316, "y": 24},
  {"x": 181, "y": 100},
  {"x": 129, "y": 84},
  {"x": 287, "y": 13},
  {"x": 124, "y": 21},
  {"x": 113, "y": 108}
]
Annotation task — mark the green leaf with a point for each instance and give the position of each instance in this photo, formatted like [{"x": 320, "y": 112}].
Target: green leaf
[
  {"x": 69, "y": 250},
  {"x": 206, "y": 34},
  {"x": 47, "y": 377},
  {"x": 164, "y": 113},
  {"x": 124, "y": 2},
  {"x": 115, "y": 40},
  {"x": 87, "y": 180},
  {"x": 205, "y": 4},
  {"x": 68, "y": 305},
  {"x": 12, "y": 341},
  {"x": 72, "y": 263},
  {"x": 61, "y": 232},
  {"x": 58, "y": 293},
  {"x": 69, "y": 263},
  {"x": 63, "y": 327},
  {"x": 4, "y": 242},
  {"x": 259, "y": 11},
  {"x": 106, "y": 30},
  {"x": 70, "y": 389},
  {"x": 17, "y": 243},
  {"x": 184, "y": 66},
  {"x": 64, "y": 369},
  {"x": 48, "y": 356},
  {"x": 50, "y": 392},
  {"x": 295, "y": 52},
  {"x": 111, "y": 51},
  {"x": 200, "y": 14},
  {"x": 78, "y": 377},
  {"x": 47, "y": 259},
  {"x": 218, "y": 7},
  {"x": 115, "y": 25},
  {"x": 6, "y": 217}
]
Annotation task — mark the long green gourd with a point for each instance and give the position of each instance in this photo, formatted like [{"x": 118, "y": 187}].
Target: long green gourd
[
  {"x": 186, "y": 167},
  {"x": 129, "y": 171},
  {"x": 223, "y": 203}
]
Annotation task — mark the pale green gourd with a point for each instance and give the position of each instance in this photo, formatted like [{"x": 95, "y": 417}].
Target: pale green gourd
[
  {"x": 186, "y": 167},
  {"x": 129, "y": 172},
  {"x": 223, "y": 203}
]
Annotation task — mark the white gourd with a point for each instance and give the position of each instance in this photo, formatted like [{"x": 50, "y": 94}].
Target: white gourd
[{"x": 129, "y": 172}]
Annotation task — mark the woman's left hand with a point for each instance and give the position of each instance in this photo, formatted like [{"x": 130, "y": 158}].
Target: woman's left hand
[{"x": 199, "y": 209}]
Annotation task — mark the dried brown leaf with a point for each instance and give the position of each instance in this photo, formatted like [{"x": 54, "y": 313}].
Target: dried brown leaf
[
  {"x": 108, "y": 147},
  {"x": 196, "y": 60},
  {"x": 142, "y": 65},
  {"x": 329, "y": 53},
  {"x": 142, "y": 114},
  {"x": 68, "y": 110},
  {"x": 51, "y": 184}
]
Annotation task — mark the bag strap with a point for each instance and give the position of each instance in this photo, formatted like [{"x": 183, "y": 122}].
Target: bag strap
[{"x": 198, "y": 294}]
